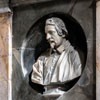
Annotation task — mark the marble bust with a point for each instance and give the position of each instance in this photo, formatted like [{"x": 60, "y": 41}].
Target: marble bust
[{"x": 58, "y": 65}]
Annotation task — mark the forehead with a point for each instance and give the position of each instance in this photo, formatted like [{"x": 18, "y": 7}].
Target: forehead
[{"x": 49, "y": 28}]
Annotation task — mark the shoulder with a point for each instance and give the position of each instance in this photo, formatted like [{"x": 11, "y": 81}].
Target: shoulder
[{"x": 73, "y": 53}]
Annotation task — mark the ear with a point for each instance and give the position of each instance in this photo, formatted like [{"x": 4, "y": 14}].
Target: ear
[{"x": 63, "y": 35}]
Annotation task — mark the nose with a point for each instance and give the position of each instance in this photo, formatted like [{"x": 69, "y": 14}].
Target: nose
[{"x": 48, "y": 36}]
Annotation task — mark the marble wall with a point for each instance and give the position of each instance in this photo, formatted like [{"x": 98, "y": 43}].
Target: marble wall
[
  {"x": 5, "y": 27},
  {"x": 98, "y": 50},
  {"x": 24, "y": 18}
]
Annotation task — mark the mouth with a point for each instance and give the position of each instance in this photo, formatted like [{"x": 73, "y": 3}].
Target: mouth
[{"x": 51, "y": 41}]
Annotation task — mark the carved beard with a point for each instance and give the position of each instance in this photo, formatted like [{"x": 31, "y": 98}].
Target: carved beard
[{"x": 52, "y": 45}]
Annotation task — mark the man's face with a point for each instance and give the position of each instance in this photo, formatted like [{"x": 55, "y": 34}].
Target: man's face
[{"x": 52, "y": 36}]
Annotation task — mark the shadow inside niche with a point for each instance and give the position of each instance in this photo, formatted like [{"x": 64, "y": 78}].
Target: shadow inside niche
[
  {"x": 76, "y": 37},
  {"x": 39, "y": 88}
]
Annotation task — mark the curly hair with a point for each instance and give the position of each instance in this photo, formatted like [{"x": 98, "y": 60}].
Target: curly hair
[{"x": 59, "y": 25}]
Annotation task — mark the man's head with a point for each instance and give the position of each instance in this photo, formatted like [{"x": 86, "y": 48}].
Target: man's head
[{"x": 55, "y": 31}]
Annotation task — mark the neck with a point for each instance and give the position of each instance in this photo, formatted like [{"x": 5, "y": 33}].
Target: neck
[{"x": 61, "y": 48}]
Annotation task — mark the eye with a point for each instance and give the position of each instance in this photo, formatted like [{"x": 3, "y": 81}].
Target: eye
[{"x": 51, "y": 32}]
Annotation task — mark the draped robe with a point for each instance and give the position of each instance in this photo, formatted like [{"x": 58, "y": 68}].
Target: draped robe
[{"x": 57, "y": 68}]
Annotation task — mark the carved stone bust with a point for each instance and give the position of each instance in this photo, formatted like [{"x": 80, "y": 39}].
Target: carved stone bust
[{"x": 60, "y": 64}]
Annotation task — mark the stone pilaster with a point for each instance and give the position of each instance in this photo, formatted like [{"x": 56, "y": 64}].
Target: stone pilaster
[{"x": 98, "y": 50}]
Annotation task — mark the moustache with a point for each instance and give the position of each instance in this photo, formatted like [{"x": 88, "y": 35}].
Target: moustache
[{"x": 50, "y": 40}]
